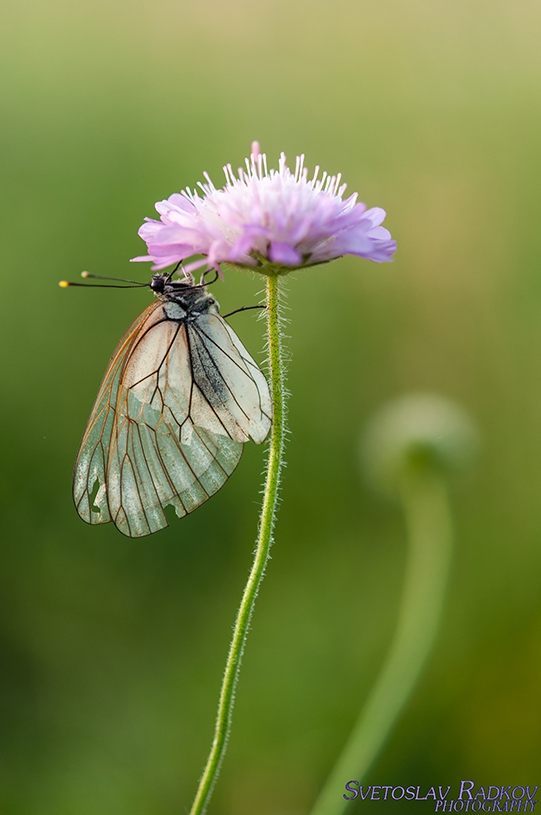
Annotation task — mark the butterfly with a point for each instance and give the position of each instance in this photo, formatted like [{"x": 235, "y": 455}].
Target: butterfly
[{"x": 180, "y": 397}]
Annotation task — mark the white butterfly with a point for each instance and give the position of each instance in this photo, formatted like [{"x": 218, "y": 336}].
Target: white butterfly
[{"x": 179, "y": 398}]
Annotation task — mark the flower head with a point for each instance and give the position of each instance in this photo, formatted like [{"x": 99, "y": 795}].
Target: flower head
[{"x": 270, "y": 220}]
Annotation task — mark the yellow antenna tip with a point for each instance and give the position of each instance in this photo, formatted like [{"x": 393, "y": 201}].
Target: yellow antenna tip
[
  {"x": 85, "y": 274},
  {"x": 63, "y": 284}
]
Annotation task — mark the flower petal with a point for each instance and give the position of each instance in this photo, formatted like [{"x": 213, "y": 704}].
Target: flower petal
[
  {"x": 284, "y": 254},
  {"x": 376, "y": 215}
]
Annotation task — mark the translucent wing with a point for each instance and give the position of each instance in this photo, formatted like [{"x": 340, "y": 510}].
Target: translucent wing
[
  {"x": 229, "y": 380},
  {"x": 176, "y": 404},
  {"x": 92, "y": 459}
]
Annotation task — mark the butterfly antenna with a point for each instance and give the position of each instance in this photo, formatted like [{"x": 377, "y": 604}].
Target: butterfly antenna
[
  {"x": 119, "y": 279},
  {"x": 64, "y": 284},
  {"x": 128, "y": 284}
]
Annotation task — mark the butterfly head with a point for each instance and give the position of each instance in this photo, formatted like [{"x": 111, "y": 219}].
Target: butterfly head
[
  {"x": 194, "y": 299},
  {"x": 162, "y": 281}
]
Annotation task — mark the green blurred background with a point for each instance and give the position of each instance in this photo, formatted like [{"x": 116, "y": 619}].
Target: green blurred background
[{"x": 113, "y": 649}]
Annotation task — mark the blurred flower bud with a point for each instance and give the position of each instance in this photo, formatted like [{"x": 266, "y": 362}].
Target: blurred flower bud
[{"x": 417, "y": 434}]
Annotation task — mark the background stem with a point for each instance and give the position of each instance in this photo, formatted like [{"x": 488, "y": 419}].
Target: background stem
[
  {"x": 429, "y": 529},
  {"x": 264, "y": 541}
]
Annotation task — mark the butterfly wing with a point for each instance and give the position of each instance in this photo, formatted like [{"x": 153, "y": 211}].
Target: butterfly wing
[
  {"x": 176, "y": 404},
  {"x": 92, "y": 459},
  {"x": 229, "y": 380}
]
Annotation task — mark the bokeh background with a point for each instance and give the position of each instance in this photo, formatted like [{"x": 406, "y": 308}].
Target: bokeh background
[{"x": 113, "y": 649}]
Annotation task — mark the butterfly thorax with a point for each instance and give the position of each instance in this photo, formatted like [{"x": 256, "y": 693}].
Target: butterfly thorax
[{"x": 183, "y": 301}]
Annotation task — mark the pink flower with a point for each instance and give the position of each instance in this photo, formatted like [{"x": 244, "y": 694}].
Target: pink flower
[{"x": 266, "y": 220}]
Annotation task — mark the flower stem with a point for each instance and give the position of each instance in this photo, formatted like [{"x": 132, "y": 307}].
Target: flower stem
[
  {"x": 428, "y": 522},
  {"x": 264, "y": 541}
]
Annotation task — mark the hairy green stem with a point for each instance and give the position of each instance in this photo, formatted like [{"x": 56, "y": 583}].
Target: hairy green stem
[
  {"x": 264, "y": 541},
  {"x": 428, "y": 522}
]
